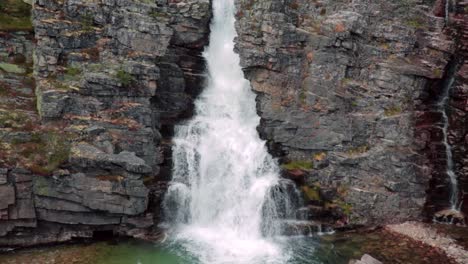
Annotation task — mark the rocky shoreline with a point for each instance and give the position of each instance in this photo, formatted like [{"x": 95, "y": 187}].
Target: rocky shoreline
[{"x": 428, "y": 235}]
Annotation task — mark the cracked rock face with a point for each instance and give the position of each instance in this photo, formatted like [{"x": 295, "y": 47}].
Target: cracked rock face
[
  {"x": 341, "y": 84},
  {"x": 109, "y": 75},
  {"x": 342, "y": 92}
]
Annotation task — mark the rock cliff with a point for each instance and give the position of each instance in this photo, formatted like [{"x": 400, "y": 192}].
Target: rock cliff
[
  {"x": 342, "y": 89},
  {"x": 111, "y": 78},
  {"x": 346, "y": 92}
]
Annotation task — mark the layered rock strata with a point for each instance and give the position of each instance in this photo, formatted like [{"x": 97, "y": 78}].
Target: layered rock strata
[
  {"x": 110, "y": 76},
  {"x": 340, "y": 86}
]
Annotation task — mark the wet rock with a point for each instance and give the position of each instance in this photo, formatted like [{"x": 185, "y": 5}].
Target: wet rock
[
  {"x": 366, "y": 259},
  {"x": 450, "y": 216}
]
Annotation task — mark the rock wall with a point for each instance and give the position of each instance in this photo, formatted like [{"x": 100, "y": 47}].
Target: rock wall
[
  {"x": 340, "y": 87},
  {"x": 111, "y": 78},
  {"x": 459, "y": 103},
  {"x": 345, "y": 91},
  {"x": 457, "y": 110}
]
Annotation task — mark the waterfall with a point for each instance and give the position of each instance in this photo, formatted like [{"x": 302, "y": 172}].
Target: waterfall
[
  {"x": 447, "y": 11},
  {"x": 443, "y": 105},
  {"x": 222, "y": 199}
]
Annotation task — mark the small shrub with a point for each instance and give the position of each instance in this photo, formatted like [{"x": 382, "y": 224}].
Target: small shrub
[
  {"x": 346, "y": 207},
  {"x": 302, "y": 97},
  {"x": 124, "y": 77}
]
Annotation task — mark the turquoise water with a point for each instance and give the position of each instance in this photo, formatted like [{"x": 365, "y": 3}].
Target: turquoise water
[
  {"x": 327, "y": 249},
  {"x": 303, "y": 249}
]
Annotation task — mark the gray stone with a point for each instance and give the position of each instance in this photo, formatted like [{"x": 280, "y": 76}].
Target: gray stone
[{"x": 7, "y": 196}]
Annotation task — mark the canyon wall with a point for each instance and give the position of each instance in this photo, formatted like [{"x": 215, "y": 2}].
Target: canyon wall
[
  {"x": 342, "y": 92},
  {"x": 346, "y": 92},
  {"x": 111, "y": 78}
]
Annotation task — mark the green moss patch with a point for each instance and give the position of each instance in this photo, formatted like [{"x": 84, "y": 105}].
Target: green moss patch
[
  {"x": 358, "y": 150},
  {"x": 15, "y": 15},
  {"x": 45, "y": 152},
  {"x": 13, "y": 119},
  {"x": 298, "y": 165},
  {"x": 346, "y": 208},
  {"x": 311, "y": 193},
  {"x": 156, "y": 14},
  {"x": 124, "y": 77},
  {"x": 393, "y": 111},
  {"x": 416, "y": 23},
  {"x": 11, "y": 68}
]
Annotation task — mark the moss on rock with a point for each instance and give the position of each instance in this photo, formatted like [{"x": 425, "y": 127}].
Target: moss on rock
[
  {"x": 299, "y": 165},
  {"x": 15, "y": 15}
]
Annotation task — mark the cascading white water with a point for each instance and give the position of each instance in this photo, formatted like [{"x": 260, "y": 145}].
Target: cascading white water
[
  {"x": 220, "y": 196},
  {"x": 443, "y": 104}
]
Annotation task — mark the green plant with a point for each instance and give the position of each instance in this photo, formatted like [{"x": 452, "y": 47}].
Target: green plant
[
  {"x": 311, "y": 193},
  {"x": 12, "y": 119},
  {"x": 393, "y": 111},
  {"x": 346, "y": 207},
  {"x": 11, "y": 68},
  {"x": 45, "y": 152},
  {"x": 345, "y": 81},
  {"x": 302, "y": 96},
  {"x": 415, "y": 23},
  {"x": 71, "y": 71},
  {"x": 15, "y": 15},
  {"x": 87, "y": 22},
  {"x": 157, "y": 14},
  {"x": 438, "y": 73},
  {"x": 358, "y": 150},
  {"x": 124, "y": 77},
  {"x": 298, "y": 165}
]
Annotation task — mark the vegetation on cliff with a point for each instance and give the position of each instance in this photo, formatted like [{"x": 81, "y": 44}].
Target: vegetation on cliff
[{"x": 15, "y": 15}]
